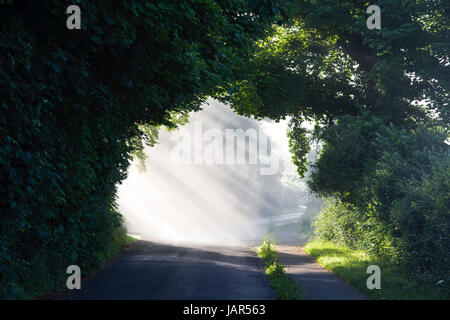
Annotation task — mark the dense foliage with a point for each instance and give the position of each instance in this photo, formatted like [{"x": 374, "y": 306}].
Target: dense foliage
[
  {"x": 76, "y": 103},
  {"x": 379, "y": 102},
  {"x": 401, "y": 209}
]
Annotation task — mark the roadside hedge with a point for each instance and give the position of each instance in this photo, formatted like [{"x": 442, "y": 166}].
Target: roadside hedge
[{"x": 72, "y": 102}]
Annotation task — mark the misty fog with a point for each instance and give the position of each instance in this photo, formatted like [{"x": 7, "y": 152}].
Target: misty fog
[{"x": 197, "y": 189}]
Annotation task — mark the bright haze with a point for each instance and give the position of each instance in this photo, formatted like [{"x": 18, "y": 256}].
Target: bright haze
[{"x": 192, "y": 193}]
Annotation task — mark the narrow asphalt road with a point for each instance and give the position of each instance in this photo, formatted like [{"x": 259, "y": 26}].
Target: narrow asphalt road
[
  {"x": 317, "y": 282},
  {"x": 151, "y": 270}
]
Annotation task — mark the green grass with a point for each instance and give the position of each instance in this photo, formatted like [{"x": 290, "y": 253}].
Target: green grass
[
  {"x": 285, "y": 288},
  {"x": 396, "y": 281},
  {"x": 120, "y": 240}
]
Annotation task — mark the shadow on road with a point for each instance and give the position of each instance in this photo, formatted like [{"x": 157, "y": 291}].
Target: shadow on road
[{"x": 149, "y": 270}]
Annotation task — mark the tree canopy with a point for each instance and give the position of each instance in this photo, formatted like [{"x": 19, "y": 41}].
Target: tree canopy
[
  {"x": 379, "y": 101},
  {"x": 76, "y": 103},
  {"x": 326, "y": 62}
]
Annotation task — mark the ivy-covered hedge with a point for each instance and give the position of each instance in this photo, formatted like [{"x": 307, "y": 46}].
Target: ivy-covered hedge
[{"x": 71, "y": 105}]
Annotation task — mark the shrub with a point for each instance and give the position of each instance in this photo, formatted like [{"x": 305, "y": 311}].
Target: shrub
[{"x": 398, "y": 204}]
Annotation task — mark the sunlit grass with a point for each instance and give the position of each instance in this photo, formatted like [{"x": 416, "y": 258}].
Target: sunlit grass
[
  {"x": 396, "y": 281},
  {"x": 284, "y": 286}
]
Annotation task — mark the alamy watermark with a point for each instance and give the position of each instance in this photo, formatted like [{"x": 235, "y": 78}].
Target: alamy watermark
[
  {"x": 374, "y": 20},
  {"x": 74, "y": 280},
  {"x": 374, "y": 280},
  {"x": 229, "y": 147},
  {"x": 74, "y": 20}
]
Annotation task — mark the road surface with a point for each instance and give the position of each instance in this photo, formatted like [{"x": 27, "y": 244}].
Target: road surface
[
  {"x": 317, "y": 282},
  {"x": 150, "y": 270}
]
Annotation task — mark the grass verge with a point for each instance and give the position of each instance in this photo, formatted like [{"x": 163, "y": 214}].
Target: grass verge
[
  {"x": 285, "y": 288},
  {"x": 120, "y": 240},
  {"x": 396, "y": 281}
]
